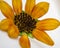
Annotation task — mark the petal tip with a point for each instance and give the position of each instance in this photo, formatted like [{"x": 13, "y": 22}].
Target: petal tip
[{"x": 52, "y": 43}]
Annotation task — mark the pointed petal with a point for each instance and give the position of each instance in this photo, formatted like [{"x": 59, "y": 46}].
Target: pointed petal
[
  {"x": 40, "y": 9},
  {"x": 6, "y": 9},
  {"x": 24, "y": 41},
  {"x": 47, "y": 24},
  {"x": 5, "y": 24},
  {"x": 13, "y": 32},
  {"x": 29, "y": 6},
  {"x": 17, "y": 6},
  {"x": 42, "y": 36}
]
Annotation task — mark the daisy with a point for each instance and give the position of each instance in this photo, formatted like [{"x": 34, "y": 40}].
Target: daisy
[{"x": 26, "y": 23}]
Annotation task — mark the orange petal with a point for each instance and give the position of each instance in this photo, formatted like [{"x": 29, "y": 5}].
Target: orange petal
[
  {"x": 40, "y": 9},
  {"x": 24, "y": 41},
  {"x": 6, "y": 9},
  {"x": 29, "y": 6},
  {"x": 42, "y": 36},
  {"x": 13, "y": 32},
  {"x": 17, "y": 6},
  {"x": 48, "y": 24},
  {"x": 5, "y": 24}
]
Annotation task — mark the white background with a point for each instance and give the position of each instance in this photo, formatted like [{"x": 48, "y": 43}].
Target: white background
[{"x": 54, "y": 12}]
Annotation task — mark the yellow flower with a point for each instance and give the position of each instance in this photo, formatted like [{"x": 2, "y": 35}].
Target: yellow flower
[{"x": 26, "y": 22}]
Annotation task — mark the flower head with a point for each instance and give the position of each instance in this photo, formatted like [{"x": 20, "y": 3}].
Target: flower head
[{"x": 26, "y": 23}]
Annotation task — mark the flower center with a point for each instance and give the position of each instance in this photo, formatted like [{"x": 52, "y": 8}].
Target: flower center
[{"x": 24, "y": 22}]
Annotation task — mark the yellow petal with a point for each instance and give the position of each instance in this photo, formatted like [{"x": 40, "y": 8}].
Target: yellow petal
[
  {"x": 48, "y": 24},
  {"x": 42, "y": 36},
  {"x": 24, "y": 41},
  {"x": 29, "y": 5},
  {"x": 6, "y": 9},
  {"x": 5, "y": 24},
  {"x": 40, "y": 9},
  {"x": 13, "y": 32},
  {"x": 17, "y": 6}
]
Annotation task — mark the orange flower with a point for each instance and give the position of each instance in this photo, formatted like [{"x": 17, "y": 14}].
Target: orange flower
[{"x": 26, "y": 22}]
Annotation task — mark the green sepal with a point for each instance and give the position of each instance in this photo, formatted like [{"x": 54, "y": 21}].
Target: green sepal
[
  {"x": 36, "y": 20},
  {"x": 30, "y": 35}
]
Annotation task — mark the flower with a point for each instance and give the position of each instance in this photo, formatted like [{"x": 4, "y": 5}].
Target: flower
[{"x": 26, "y": 23}]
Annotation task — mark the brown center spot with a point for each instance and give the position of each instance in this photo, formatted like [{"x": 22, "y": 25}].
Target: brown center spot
[{"x": 24, "y": 22}]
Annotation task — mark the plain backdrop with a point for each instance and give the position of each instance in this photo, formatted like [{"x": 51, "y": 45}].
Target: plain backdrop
[{"x": 54, "y": 12}]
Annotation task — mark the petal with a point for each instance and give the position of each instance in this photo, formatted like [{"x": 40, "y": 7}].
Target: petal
[
  {"x": 48, "y": 24},
  {"x": 13, "y": 32},
  {"x": 17, "y": 6},
  {"x": 5, "y": 24},
  {"x": 6, "y": 9},
  {"x": 24, "y": 41},
  {"x": 29, "y": 6},
  {"x": 40, "y": 9},
  {"x": 42, "y": 36}
]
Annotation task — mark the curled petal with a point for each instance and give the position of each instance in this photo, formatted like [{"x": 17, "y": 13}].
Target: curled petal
[
  {"x": 29, "y": 6},
  {"x": 13, "y": 32},
  {"x": 5, "y": 24},
  {"x": 40, "y": 9},
  {"x": 24, "y": 41},
  {"x": 47, "y": 24},
  {"x": 17, "y": 6},
  {"x": 6, "y": 9},
  {"x": 42, "y": 36}
]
